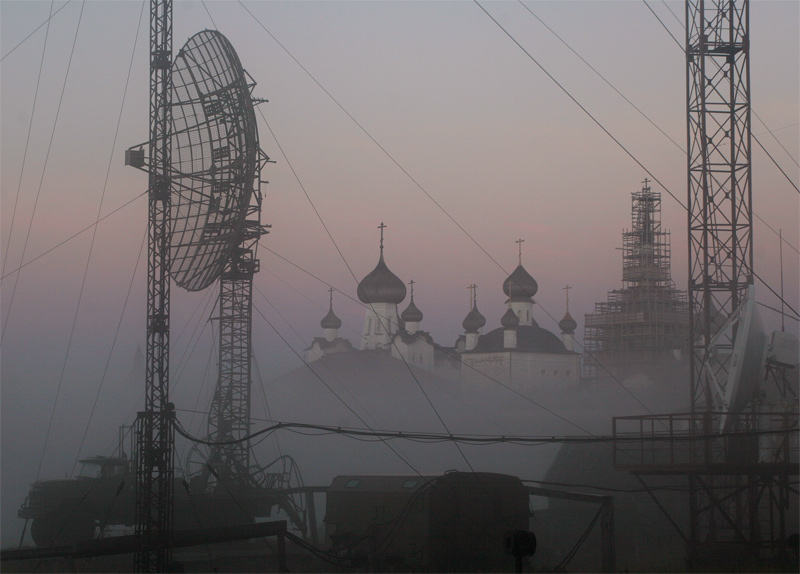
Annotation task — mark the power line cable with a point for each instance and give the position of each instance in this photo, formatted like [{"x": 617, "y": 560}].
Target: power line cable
[
  {"x": 409, "y": 175},
  {"x": 210, "y": 17},
  {"x": 602, "y": 127},
  {"x": 27, "y": 140},
  {"x": 659, "y": 128},
  {"x": 332, "y": 373},
  {"x": 482, "y": 439},
  {"x": 347, "y": 265},
  {"x": 772, "y": 133},
  {"x": 666, "y": 5},
  {"x": 94, "y": 236},
  {"x": 653, "y": 12},
  {"x": 335, "y": 394},
  {"x": 602, "y": 77},
  {"x": 455, "y": 354},
  {"x": 72, "y": 330},
  {"x": 418, "y": 185},
  {"x": 47, "y": 22},
  {"x": 111, "y": 352},
  {"x": 751, "y": 109},
  {"x": 44, "y": 167},
  {"x": 769, "y": 155},
  {"x": 73, "y": 236}
]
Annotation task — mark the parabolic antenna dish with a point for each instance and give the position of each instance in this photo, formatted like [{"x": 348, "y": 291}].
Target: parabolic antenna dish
[{"x": 214, "y": 158}]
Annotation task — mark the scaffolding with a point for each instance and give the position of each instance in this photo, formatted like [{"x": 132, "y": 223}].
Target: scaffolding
[{"x": 642, "y": 328}]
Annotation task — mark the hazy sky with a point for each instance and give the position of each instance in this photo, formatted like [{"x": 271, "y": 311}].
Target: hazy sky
[{"x": 455, "y": 104}]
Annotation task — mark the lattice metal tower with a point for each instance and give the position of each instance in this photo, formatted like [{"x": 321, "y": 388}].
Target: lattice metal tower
[
  {"x": 229, "y": 417},
  {"x": 154, "y": 428},
  {"x": 720, "y": 197},
  {"x": 725, "y": 507},
  {"x": 741, "y": 504}
]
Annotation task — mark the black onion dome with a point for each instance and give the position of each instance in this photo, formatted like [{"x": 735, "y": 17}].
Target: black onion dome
[
  {"x": 411, "y": 313},
  {"x": 331, "y": 321},
  {"x": 520, "y": 285},
  {"x": 381, "y": 286},
  {"x": 509, "y": 320},
  {"x": 568, "y": 324},
  {"x": 473, "y": 321}
]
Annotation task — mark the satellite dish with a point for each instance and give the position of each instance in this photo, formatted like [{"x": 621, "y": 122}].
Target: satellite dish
[
  {"x": 746, "y": 359},
  {"x": 215, "y": 156}
]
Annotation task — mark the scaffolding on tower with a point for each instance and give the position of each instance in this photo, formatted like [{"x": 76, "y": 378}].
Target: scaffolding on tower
[{"x": 643, "y": 328}]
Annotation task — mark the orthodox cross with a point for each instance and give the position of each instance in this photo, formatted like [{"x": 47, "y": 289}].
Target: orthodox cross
[
  {"x": 331, "y": 290},
  {"x": 473, "y": 292},
  {"x": 411, "y": 283},
  {"x": 381, "y": 227},
  {"x": 567, "y": 288},
  {"x": 520, "y": 242}
]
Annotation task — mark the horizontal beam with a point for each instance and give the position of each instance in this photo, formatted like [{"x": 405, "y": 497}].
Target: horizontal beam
[{"x": 131, "y": 543}]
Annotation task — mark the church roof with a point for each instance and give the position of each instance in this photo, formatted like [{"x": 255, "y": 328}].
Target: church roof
[
  {"x": 568, "y": 324},
  {"x": 473, "y": 321},
  {"x": 381, "y": 286},
  {"x": 411, "y": 314},
  {"x": 509, "y": 320},
  {"x": 520, "y": 286},
  {"x": 531, "y": 339},
  {"x": 330, "y": 321}
]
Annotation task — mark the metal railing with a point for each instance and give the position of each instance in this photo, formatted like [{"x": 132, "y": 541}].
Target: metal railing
[{"x": 685, "y": 441}]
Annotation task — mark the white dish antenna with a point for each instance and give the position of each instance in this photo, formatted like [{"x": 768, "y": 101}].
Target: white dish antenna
[{"x": 745, "y": 361}]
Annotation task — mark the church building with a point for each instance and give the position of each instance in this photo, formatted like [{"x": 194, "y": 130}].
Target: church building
[{"x": 519, "y": 353}]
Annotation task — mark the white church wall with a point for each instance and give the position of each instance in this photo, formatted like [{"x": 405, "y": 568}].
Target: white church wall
[{"x": 520, "y": 371}]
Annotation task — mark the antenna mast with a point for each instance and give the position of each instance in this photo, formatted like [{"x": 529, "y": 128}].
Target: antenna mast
[
  {"x": 155, "y": 434},
  {"x": 720, "y": 195}
]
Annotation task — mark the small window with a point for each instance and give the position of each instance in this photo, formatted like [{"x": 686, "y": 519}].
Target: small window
[
  {"x": 568, "y": 372},
  {"x": 555, "y": 373},
  {"x": 410, "y": 483},
  {"x": 352, "y": 483},
  {"x": 544, "y": 372}
]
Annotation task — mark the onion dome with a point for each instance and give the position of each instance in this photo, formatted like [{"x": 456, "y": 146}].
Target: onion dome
[
  {"x": 331, "y": 321},
  {"x": 568, "y": 324},
  {"x": 509, "y": 320},
  {"x": 411, "y": 313},
  {"x": 381, "y": 286},
  {"x": 520, "y": 286},
  {"x": 473, "y": 321}
]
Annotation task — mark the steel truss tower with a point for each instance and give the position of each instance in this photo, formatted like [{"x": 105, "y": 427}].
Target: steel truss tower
[
  {"x": 154, "y": 429},
  {"x": 740, "y": 500},
  {"x": 229, "y": 417},
  {"x": 720, "y": 197}
]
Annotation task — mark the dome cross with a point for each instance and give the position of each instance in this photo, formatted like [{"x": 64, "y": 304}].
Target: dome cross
[
  {"x": 520, "y": 242},
  {"x": 382, "y": 226}
]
